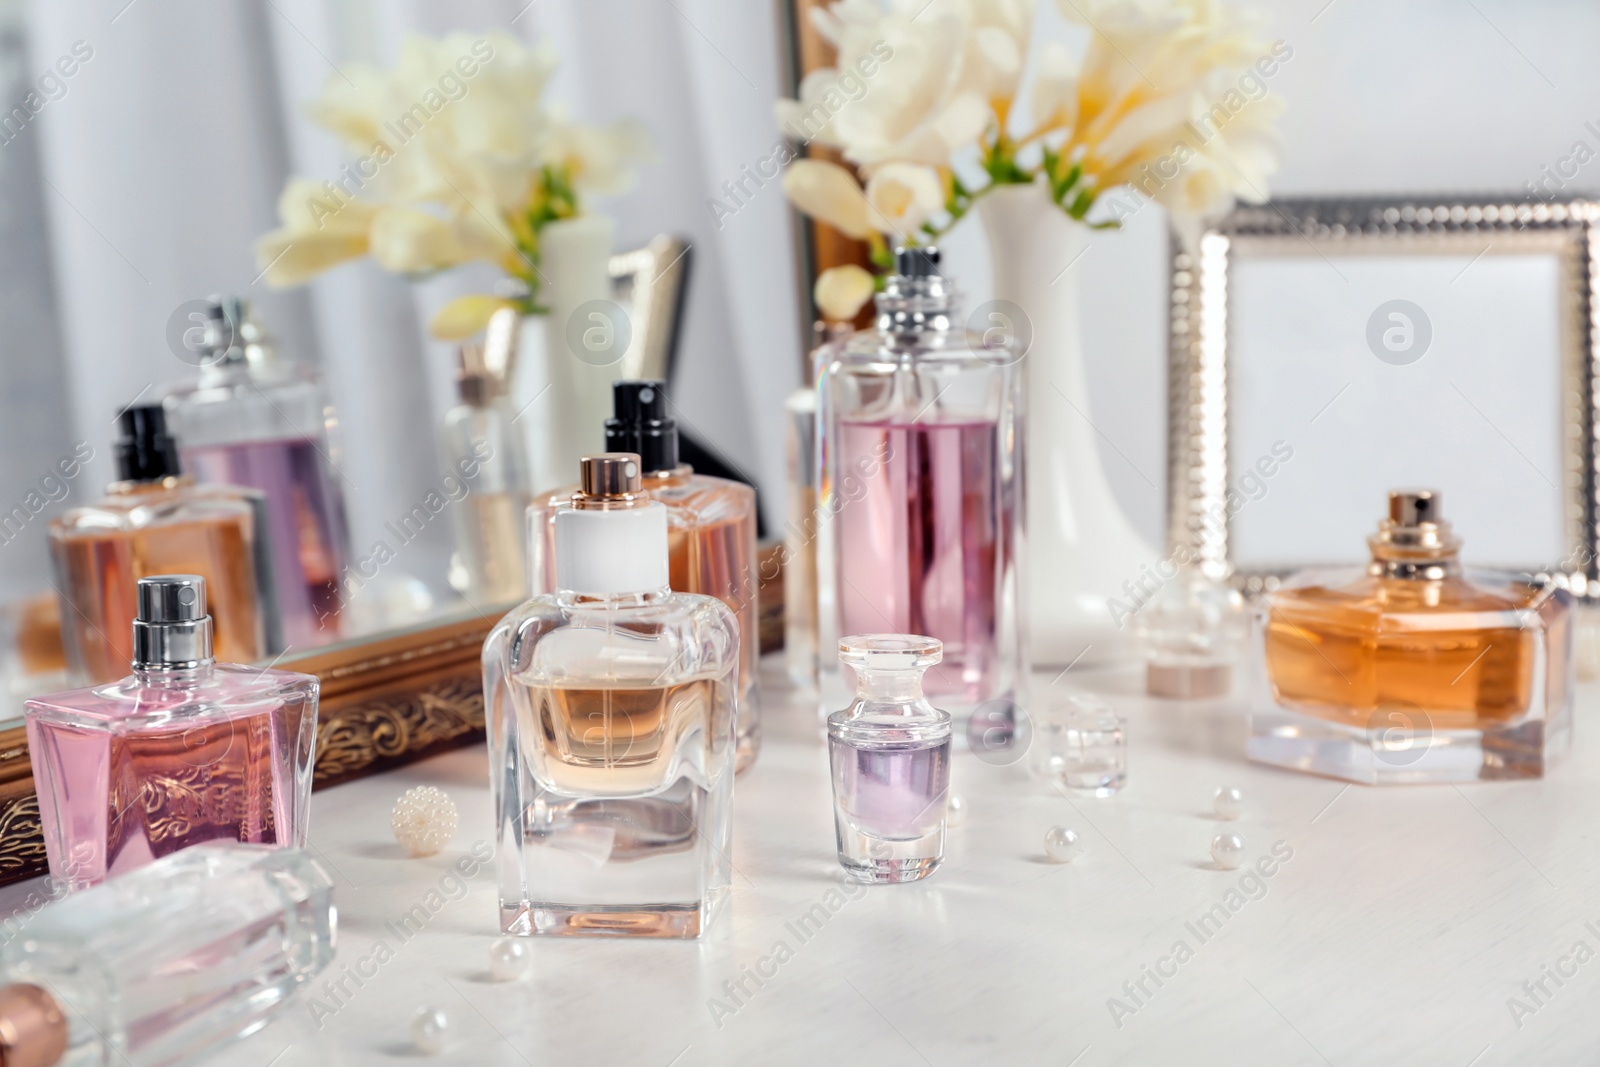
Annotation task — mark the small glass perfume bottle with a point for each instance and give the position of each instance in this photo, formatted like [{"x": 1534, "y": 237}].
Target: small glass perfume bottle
[
  {"x": 485, "y": 448},
  {"x": 922, "y": 488},
  {"x": 611, "y": 708},
  {"x": 800, "y": 649},
  {"x": 184, "y": 750},
  {"x": 1414, "y": 671},
  {"x": 155, "y": 520},
  {"x": 252, "y": 420},
  {"x": 1192, "y": 633},
  {"x": 890, "y": 751},
  {"x": 166, "y": 964},
  {"x": 711, "y": 525}
]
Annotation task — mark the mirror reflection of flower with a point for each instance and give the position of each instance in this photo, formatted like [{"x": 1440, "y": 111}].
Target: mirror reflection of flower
[{"x": 457, "y": 157}]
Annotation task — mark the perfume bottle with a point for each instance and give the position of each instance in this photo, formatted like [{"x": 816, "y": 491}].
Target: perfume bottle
[
  {"x": 485, "y": 448},
  {"x": 711, "y": 528},
  {"x": 922, "y": 486},
  {"x": 168, "y": 963},
  {"x": 800, "y": 649},
  {"x": 890, "y": 752},
  {"x": 1192, "y": 633},
  {"x": 1415, "y": 670},
  {"x": 155, "y": 520},
  {"x": 253, "y": 420},
  {"x": 184, "y": 750},
  {"x": 611, "y": 708}
]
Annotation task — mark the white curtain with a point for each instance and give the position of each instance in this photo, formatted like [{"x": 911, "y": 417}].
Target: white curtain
[{"x": 162, "y": 160}]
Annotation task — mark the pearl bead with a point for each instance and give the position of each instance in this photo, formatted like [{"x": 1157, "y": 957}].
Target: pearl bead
[
  {"x": 509, "y": 959},
  {"x": 1227, "y": 850},
  {"x": 429, "y": 1029},
  {"x": 1228, "y": 803},
  {"x": 1062, "y": 845},
  {"x": 955, "y": 812},
  {"x": 424, "y": 820}
]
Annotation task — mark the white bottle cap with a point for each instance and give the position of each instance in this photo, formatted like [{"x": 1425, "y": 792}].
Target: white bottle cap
[{"x": 608, "y": 550}]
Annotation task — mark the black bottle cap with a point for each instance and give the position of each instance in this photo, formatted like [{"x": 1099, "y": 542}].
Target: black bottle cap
[
  {"x": 912, "y": 262},
  {"x": 147, "y": 452},
  {"x": 640, "y": 423}
]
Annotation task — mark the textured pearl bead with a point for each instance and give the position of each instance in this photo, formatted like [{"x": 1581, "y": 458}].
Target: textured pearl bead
[
  {"x": 429, "y": 1030},
  {"x": 1227, "y": 850},
  {"x": 424, "y": 820},
  {"x": 1228, "y": 803},
  {"x": 509, "y": 959},
  {"x": 1062, "y": 845},
  {"x": 955, "y": 812}
]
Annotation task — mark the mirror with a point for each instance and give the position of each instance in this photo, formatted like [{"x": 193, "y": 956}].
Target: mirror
[{"x": 154, "y": 157}]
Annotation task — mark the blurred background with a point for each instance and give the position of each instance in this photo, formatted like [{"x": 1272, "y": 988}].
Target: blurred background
[{"x": 143, "y": 179}]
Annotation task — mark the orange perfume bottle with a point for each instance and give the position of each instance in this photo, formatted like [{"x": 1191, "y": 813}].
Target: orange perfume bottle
[
  {"x": 155, "y": 520},
  {"x": 711, "y": 532},
  {"x": 1414, "y": 670}
]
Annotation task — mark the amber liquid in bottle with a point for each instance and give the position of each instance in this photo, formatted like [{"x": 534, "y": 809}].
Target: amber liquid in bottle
[
  {"x": 144, "y": 528},
  {"x": 1412, "y": 635}
]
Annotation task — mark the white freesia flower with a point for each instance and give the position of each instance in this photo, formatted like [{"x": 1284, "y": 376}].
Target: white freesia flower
[
  {"x": 602, "y": 159},
  {"x": 320, "y": 230},
  {"x": 840, "y": 292},
  {"x": 905, "y": 195},
  {"x": 1055, "y": 88},
  {"x": 827, "y": 192}
]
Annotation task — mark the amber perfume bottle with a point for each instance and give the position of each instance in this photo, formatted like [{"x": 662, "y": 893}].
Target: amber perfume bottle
[
  {"x": 182, "y": 751},
  {"x": 1415, "y": 670},
  {"x": 155, "y": 520},
  {"x": 611, "y": 708},
  {"x": 485, "y": 447},
  {"x": 711, "y": 530}
]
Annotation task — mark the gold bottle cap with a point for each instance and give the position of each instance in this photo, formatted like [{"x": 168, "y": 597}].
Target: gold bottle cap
[
  {"x": 610, "y": 474},
  {"x": 1414, "y": 541},
  {"x": 1413, "y": 507},
  {"x": 33, "y": 1031}
]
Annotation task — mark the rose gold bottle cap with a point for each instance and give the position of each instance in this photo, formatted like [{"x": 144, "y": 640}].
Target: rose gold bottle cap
[
  {"x": 610, "y": 474},
  {"x": 33, "y": 1032}
]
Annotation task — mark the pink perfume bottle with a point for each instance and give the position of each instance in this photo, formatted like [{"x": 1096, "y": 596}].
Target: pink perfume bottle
[
  {"x": 921, "y": 503},
  {"x": 183, "y": 750},
  {"x": 251, "y": 419}
]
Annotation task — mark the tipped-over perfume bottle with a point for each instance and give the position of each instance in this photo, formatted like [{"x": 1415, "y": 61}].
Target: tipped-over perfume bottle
[
  {"x": 155, "y": 520},
  {"x": 251, "y": 419},
  {"x": 711, "y": 530},
  {"x": 922, "y": 486},
  {"x": 164, "y": 965},
  {"x": 184, "y": 750},
  {"x": 890, "y": 751},
  {"x": 1192, "y": 633},
  {"x": 611, "y": 706},
  {"x": 485, "y": 448},
  {"x": 1414, "y": 671}
]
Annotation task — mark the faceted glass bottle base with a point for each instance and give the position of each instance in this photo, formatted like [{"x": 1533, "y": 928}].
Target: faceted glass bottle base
[
  {"x": 659, "y": 920},
  {"x": 1405, "y": 750}
]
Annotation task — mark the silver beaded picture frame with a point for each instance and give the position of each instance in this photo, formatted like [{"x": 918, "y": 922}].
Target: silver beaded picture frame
[{"x": 1205, "y": 381}]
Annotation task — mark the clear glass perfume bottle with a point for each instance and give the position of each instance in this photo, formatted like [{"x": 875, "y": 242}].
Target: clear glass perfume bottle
[
  {"x": 1414, "y": 670},
  {"x": 922, "y": 486},
  {"x": 184, "y": 750},
  {"x": 155, "y": 520},
  {"x": 711, "y": 524},
  {"x": 1192, "y": 634},
  {"x": 890, "y": 752},
  {"x": 611, "y": 709},
  {"x": 253, "y": 420},
  {"x": 800, "y": 651},
  {"x": 485, "y": 449},
  {"x": 168, "y": 963}
]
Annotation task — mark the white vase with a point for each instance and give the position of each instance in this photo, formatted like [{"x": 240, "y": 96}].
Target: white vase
[
  {"x": 564, "y": 397},
  {"x": 1081, "y": 547}
]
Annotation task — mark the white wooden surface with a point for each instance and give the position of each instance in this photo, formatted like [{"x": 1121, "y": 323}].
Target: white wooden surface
[{"x": 1397, "y": 932}]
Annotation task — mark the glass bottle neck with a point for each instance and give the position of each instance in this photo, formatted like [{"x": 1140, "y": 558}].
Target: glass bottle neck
[
  {"x": 889, "y": 687},
  {"x": 610, "y": 601},
  {"x": 175, "y": 677}
]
